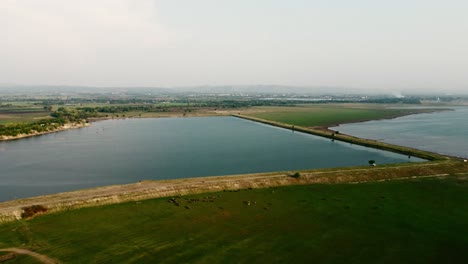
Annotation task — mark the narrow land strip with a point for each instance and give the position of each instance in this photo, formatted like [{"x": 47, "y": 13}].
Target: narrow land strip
[
  {"x": 13, "y": 210},
  {"x": 334, "y": 135}
]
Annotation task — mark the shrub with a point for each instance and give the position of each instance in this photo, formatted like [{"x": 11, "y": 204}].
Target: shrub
[
  {"x": 296, "y": 175},
  {"x": 32, "y": 210}
]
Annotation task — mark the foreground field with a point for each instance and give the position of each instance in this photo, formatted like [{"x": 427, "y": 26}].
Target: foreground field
[{"x": 401, "y": 221}]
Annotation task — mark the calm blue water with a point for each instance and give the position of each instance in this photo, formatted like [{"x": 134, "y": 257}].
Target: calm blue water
[
  {"x": 443, "y": 132},
  {"x": 126, "y": 151}
]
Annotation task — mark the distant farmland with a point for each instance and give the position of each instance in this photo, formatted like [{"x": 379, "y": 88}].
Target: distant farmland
[
  {"x": 329, "y": 115},
  {"x": 21, "y": 114}
]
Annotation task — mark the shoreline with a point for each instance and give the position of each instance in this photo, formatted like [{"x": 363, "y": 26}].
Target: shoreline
[
  {"x": 59, "y": 129},
  {"x": 182, "y": 115},
  {"x": 89, "y": 122},
  {"x": 439, "y": 165}
]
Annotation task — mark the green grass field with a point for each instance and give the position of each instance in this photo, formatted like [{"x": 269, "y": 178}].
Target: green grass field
[
  {"x": 21, "y": 115},
  {"x": 412, "y": 221},
  {"x": 328, "y": 115}
]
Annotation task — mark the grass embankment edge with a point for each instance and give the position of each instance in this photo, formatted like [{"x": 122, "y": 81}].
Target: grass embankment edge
[{"x": 13, "y": 210}]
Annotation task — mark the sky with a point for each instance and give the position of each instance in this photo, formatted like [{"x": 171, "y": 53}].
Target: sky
[{"x": 398, "y": 45}]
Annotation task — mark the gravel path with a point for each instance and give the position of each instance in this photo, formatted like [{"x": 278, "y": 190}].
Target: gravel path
[{"x": 42, "y": 258}]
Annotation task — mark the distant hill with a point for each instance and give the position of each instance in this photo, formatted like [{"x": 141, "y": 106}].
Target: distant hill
[{"x": 203, "y": 89}]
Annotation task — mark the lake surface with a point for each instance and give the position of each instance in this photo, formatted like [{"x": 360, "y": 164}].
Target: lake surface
[
  {"x": 126, "y": 151},
  {"x": 442, "y": 132}
]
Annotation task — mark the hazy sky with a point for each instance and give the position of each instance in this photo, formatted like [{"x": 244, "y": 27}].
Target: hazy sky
[{"x": 378, "y": 44}]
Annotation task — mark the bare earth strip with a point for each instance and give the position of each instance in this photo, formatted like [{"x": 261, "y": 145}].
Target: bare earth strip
[
  {"x": 41, "y": 258},
  {"x": 12, "y": 210}
]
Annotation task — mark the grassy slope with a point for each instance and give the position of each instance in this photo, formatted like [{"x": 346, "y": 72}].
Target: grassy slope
[
  {"x": 417, "y": 221},
  {"x": 328, "y": 115}
]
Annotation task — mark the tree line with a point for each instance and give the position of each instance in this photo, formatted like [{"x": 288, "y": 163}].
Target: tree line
[{"x": 60, "y": 117}]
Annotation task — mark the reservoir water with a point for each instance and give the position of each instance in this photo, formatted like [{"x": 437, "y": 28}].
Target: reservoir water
[
  {"x": 443, "y": 132},
  {"x": 126, "y": 151}
]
